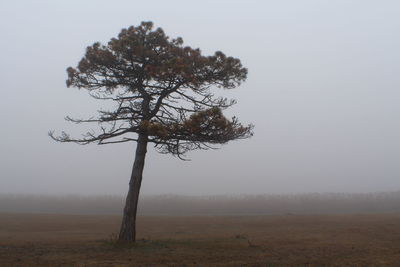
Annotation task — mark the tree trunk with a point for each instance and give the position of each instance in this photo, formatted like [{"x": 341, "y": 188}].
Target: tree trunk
[{"x": 128, "y": 226}]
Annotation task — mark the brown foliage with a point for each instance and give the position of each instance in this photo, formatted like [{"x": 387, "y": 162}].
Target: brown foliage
[{"x": 161, "y": 89}]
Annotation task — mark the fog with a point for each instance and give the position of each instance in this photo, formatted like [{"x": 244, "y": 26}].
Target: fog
[
  {"x": 322, "y": 92},
  {"x": 294, "y": 204}
]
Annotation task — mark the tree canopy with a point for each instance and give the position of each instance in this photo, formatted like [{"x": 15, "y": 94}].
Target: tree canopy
[{"x": 161, "y": 89}]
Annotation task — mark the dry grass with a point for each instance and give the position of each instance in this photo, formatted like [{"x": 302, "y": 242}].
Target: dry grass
[{"x": 291, "y": 240}]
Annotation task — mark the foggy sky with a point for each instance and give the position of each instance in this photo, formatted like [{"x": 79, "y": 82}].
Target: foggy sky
[{"x": 323, "y": 92}]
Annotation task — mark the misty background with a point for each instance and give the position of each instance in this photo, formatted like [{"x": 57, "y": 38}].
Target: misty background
[
  {"x": 322, "y": 91},
  {"x": 237, "y": 205}
]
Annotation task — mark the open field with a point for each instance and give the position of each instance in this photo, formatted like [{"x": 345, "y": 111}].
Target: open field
[{"x": 285, "y": 240}]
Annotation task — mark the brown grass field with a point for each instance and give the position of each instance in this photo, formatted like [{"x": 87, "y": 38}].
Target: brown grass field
[{"x": 287, "y": 240}]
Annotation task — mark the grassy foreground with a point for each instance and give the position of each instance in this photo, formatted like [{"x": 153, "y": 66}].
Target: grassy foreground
[{"x": 289, "y": 240}]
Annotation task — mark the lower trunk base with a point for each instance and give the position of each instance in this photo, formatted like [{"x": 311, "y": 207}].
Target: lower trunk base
[{"x": 128, "y": 232}]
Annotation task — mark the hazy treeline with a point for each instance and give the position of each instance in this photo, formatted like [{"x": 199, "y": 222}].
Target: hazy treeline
[{"x": 313, "y": 203}]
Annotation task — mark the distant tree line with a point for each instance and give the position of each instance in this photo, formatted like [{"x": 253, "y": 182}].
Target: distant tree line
[{"x": 313, "y": 203}]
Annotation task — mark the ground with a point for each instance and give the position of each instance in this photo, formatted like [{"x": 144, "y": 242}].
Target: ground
[{"x": 287, "y": 240}]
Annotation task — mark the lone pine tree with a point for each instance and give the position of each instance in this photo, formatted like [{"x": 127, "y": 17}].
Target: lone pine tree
[{"x": 162, "y": 94}]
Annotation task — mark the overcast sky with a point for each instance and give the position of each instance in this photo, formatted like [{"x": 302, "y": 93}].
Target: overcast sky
[{"x": 323, "y": 91}]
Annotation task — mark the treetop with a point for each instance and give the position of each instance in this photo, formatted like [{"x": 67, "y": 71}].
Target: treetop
[{"x": 161, "y": 89}]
